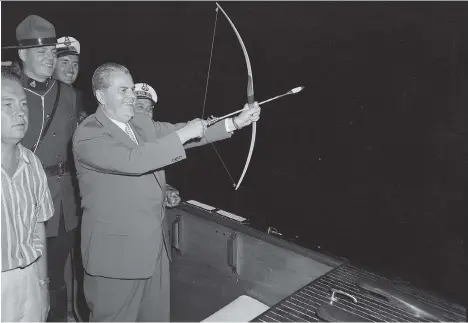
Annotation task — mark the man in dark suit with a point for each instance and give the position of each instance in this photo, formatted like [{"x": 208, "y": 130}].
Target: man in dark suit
[{"x": 120, "y": 159}]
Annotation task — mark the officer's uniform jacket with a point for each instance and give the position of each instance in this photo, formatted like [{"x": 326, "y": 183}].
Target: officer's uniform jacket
[{"x": 55, "y": 146}]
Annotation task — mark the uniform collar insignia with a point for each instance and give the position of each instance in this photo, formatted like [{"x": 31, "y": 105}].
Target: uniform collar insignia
[{"x": 36, "y": 85}]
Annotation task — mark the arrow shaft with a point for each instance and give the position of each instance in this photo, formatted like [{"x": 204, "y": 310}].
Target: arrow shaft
[
  {"x": 215, "y": 120},
  {"x": 274, "y": 98}
]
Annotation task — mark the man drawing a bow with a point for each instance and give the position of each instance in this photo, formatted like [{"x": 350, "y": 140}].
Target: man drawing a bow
[{"x": 120, "y": 158}]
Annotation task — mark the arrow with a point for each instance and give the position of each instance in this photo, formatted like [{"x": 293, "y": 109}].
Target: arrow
[{"x": 213, "y": 120}]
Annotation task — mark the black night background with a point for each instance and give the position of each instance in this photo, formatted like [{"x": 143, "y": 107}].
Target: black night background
[{"x": 369, "y": 162}]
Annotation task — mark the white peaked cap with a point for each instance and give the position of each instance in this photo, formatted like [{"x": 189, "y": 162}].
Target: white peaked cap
[
  {"x": 67, "y": 46},
  {"x": 143, "y": 90}
]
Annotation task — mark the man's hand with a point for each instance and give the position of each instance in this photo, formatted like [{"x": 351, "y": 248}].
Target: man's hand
[
  {"x": 44, "y": 290},
  {"x": 193, "y": 129},
  {"x": 81, "y": 116},
  {"x": 172, "y": 197},
  {"x": 247, "y": 116},
  {"x": 7, "y": 63}
]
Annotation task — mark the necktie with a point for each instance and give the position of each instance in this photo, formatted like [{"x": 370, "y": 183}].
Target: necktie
[{"x": 130, "y": 133}]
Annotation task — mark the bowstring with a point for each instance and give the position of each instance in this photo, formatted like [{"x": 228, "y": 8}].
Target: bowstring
[
  {"x": 209, "y": 64},
  {"x": 206, "y": 92}
]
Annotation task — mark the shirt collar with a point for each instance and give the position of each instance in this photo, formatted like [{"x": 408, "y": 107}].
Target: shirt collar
[
  {"x": 119, "y": 124},
  {"x": 23, "y": 153},
  {"x": 23, "y": 160}
]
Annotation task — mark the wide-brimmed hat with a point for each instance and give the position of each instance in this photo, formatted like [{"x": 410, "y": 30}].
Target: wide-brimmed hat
[
  {"x": 68, "y": 46},
  {"x": 34, "y": 31}
]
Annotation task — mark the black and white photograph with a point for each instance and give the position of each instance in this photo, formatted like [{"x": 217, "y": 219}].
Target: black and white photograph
[{"x": 234, "y": 161}]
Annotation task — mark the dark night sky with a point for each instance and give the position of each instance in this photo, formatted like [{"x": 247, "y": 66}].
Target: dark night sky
[{"x": 368, "y": 163}]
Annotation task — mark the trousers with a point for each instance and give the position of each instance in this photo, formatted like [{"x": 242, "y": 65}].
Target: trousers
[
  {"x": 21, "y": 295},
  {"x": 130, "y": 300},
  {"x": 58, "y": 249}
]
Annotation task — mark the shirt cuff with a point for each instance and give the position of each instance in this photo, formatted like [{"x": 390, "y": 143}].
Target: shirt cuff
[{"x": 229, "y": 125}]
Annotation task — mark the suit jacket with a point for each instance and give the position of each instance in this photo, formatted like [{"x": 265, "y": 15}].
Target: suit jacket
[{"x": 122, "y": 186}]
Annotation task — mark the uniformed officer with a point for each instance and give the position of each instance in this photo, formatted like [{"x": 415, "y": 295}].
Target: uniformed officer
[
  {"x": 68, "y": 68},
  {"x": 146, "y": 99},
  {"x": 52, "y": 122},
  {"x": 68, "y": 60}
]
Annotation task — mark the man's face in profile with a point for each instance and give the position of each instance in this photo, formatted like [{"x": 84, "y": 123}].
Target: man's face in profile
[{"x": 14, "y": 111}]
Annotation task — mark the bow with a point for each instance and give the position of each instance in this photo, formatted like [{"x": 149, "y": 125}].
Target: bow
[{"x": 250, "y": 97}]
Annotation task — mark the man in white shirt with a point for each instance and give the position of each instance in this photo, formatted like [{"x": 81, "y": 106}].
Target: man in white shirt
[{"x": 26, "y": 205}]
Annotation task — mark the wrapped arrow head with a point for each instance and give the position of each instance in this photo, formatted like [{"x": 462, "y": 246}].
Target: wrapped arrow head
[{"x": 296, "y": 90}]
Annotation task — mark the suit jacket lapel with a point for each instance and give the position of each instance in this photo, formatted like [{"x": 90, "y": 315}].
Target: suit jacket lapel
[
  {"x": 120, "y": 135},
  {"x": 117, "y": 133},
  {"x": 141, "y": 137},
  {"x": 139, "y": 132}
]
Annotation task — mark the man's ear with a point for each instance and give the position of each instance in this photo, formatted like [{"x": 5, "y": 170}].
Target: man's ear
[
  {"x": 100, "y": 97},
  {"x": 22, "y": 54}
]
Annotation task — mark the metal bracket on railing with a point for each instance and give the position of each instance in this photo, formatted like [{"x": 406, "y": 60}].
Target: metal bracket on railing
[
  {"x": 337, "y": 291},
  {"x": 177, "y": 235},
  {"x": 232, "y": 252},
  {"x": 272, "y": 230}
]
